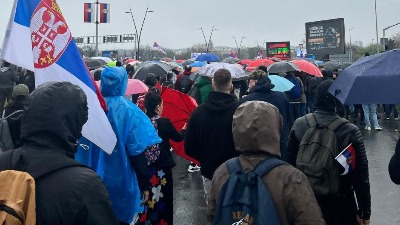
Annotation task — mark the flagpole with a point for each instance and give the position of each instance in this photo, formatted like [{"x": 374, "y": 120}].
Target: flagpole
[{"x": 97, "y": 28}]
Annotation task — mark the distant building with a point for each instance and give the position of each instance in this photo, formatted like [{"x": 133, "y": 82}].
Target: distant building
[{"x": 358, "y": 44}]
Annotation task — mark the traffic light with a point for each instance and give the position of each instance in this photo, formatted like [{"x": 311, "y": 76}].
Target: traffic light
[
  {"x": 88, "y": 40},
  {"x": 104, "y": 39}
]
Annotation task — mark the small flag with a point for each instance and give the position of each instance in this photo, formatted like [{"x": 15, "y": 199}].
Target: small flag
[
  {"x": 347, "y": 158},
  {"x": 158, "y": 48},
  {"x": 89, "y": 13},
  {"x": 233, "y": 55},
  {"x": 38, "y": 38},
  {"x": 260, "y": 55},
  {"x": 104, "y": 13}
]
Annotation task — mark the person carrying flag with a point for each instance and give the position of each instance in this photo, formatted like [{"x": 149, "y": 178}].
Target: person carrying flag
[{"x": 341, "y": 208}]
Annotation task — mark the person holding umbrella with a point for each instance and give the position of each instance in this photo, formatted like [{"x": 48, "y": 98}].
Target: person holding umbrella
[{"x": 161, "y": 208}]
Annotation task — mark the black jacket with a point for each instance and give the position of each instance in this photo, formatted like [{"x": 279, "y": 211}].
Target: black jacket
[
  {"x": 357, "y": 180},
  {"x": 49, "y": 134},
  {"x": 14, "y": 121},
  {"x": 8, "y": 78},
  {"x": 167, "y": 132},
  {"x": 394, "y": 165},
  {"x": 208, "y": 137},
  {"x": 262, "y": 92}
]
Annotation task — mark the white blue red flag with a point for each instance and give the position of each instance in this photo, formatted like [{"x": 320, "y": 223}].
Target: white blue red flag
[
  {"x": 89, "y": 13},
  {"x": 104, "y": 13},
  {"x": 157, "y": 47},
  {"x": 347, "y": 158},
  {"x": 38, "y": 39},
  {"x": 233, "y": 55}
]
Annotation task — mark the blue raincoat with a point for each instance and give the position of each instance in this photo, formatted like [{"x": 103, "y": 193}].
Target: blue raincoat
[
  {"x": 87, "y": 153},
  {"x": 134, "y": 133}
]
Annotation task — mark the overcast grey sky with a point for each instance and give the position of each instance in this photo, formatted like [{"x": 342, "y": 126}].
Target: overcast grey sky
[{"x": 175, "y": 23}]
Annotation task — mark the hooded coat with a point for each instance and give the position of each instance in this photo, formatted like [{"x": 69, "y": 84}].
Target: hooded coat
[
  {"x": 342, "y": 208},
  {"x": 49, "y": 134},
  {"x": 256, "y": 133},
  {"x": 134, "y": 133},
  {"x": 208, "y": 137},
  {"x": 205, "y": 86},
  {"x": 262, "y": 91}
]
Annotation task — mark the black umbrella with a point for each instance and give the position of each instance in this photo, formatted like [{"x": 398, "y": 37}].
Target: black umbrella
[
  {"x": 231, "y": 60},
  {"x": 342, "y": 66},
  {"x": 187, "y": 62},
  {"x": 153, "y": 67},
  {"x": 330, "y": 65},
  {"x": 282, "y": 67}
]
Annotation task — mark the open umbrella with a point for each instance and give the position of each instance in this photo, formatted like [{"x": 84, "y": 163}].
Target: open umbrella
[
  {"x": 230, "y": 60},
  {"x": 156, "y": 68},
  {"x": 187, "y": 62},
  {"x": 307, "y": 67},
  {"x": 370, "y": 80},
  {"x": 134, "y": 86},
  {"x": 166, "y": 59},
  {"x": 178, "y": 107},
  {"x": 282, "y": 67},
  {"x": 236, "y": 70},
  {"x": 342, "y": 66},
  {"x": 281, "y": 84},
  {"x": 180, "y": 61},
  {"x": 198, "y": 64},
  {"x": 208, "y": 57},
  {"x": 330, "y": 65},
  {"x": 259, "y": 62},
  {"x": 245, "y": 61}
]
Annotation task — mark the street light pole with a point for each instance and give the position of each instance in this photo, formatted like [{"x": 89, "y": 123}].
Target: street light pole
[
  {"x": 376, "y": 23},
  {"x": 351, "y": 47},
  {"x": 209, "y": 40},
  {"x": 384, "y": 30},
  {"x": 97, "y": 28},
  {"x": 136, "y": 33},
  {"x": 205, "y": 40},
  {"x": 141, "y": 28},
  {"x": 240, "y": 46},
  {"x": 237, "y": 46}
]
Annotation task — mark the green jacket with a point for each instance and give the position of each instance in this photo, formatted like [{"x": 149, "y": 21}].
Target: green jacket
[{"x": 204, "y": 84}]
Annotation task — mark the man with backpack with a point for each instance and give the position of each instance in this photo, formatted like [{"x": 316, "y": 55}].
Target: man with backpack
[
  {"x": 66, "y": 191},
  {"x": 183, "y": 81},
  {"x": 315, "y": 141},
  {"x": 256, "y": 187}
]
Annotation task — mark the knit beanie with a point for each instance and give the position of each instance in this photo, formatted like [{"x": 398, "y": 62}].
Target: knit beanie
[{"x": 324, "y": 99}]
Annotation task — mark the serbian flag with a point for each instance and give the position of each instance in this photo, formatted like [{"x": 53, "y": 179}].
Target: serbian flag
[
  {"x": 347, "y": 158},
  {"x": 89, "y": 13},
  {"x": 157, "y": 47},
  {"x": 38, "y": 39},
  {"x": 104, "y": 13},
  {"x": 233, "y": 55}
]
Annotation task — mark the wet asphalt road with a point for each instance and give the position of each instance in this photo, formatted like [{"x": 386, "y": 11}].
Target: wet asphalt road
[{"x": 190, "y": 207}]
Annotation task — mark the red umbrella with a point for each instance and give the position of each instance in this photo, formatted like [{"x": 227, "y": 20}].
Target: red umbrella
[
  {"x": 180, "y": 61},
  {"x": 178, "y": 107},
  {"x": 307, "y": 67},
  {"x": 245, "y": 61},
  {"x": 259, "y": 62},
  {"x": 135, "y": 86},
  {"x": 130, "y": 60}
]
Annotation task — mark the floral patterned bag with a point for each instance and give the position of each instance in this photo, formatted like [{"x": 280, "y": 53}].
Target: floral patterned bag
[{"x": 152, "y": 152}]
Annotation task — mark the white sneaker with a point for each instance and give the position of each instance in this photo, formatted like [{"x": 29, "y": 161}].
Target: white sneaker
[
  {"x": 368, "y": 128},
  {"x": 192, "y": 169},
  {"x": 378, "y": 128}
]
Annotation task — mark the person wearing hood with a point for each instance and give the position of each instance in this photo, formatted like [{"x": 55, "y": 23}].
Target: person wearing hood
[
  {"x": 183, "y": 81},
  {"x": 341, "y": 208},
  {"x": 208, "y": 137},
  {"x": 69, "y": 193},
  {"x": 8, "y": 78},
  {"x": 256, "y": 132},
  {"x": 261, "y": 89},
  {"x": 205, "y": 86},
  {"x": 125, "y": 171}
]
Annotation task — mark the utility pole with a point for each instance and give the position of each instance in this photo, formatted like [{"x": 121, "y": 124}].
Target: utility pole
[{"x": 97, "y": 28}]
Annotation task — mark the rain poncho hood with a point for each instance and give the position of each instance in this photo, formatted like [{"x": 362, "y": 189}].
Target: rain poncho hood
[
  {"x": 256, "y": 128},
  {"x": 53, "y": 117},
  {"x": 134, "y": 133}
]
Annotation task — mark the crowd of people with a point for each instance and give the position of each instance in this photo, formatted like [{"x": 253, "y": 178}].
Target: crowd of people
[{"x": 242, "y": 120}]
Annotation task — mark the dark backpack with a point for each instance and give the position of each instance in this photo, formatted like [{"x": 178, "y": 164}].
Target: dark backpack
[
  {"x": 195, "y": 93},
  {"x": 316, "y": 157},
  {"x": 244, "y": 198},
  {"x": 296, "y": 91},
  {"x": 185, "y": 84},
  {"x": 6, "y": 142}
]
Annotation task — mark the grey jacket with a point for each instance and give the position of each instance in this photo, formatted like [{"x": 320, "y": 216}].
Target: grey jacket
[{"x": 8, "y": 77}]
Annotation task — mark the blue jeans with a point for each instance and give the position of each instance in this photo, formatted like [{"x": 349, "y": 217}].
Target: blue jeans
[
  {"x": 370, "y": 108},
  {"x": 388, "y": 110}
]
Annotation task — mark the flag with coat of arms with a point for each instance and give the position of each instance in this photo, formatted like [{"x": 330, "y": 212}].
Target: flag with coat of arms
[
  {"x": 38, "y": 39},
  {"x": 157, "y": 47}
]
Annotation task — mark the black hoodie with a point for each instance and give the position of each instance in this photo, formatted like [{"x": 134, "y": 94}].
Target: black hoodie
[
  {"x": 208, "y": 136},
  {"x": 51, "y": 125}
]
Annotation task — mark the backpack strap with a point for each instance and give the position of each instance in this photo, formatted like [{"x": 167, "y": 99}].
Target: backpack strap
[
  {"x": 267, "y": 165},
  {"x": 233, "y": 165},
  {"x": 311, "y": 120},
  {"x": 18, "y": 111},
  {"x": 335, "y": 124}
]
